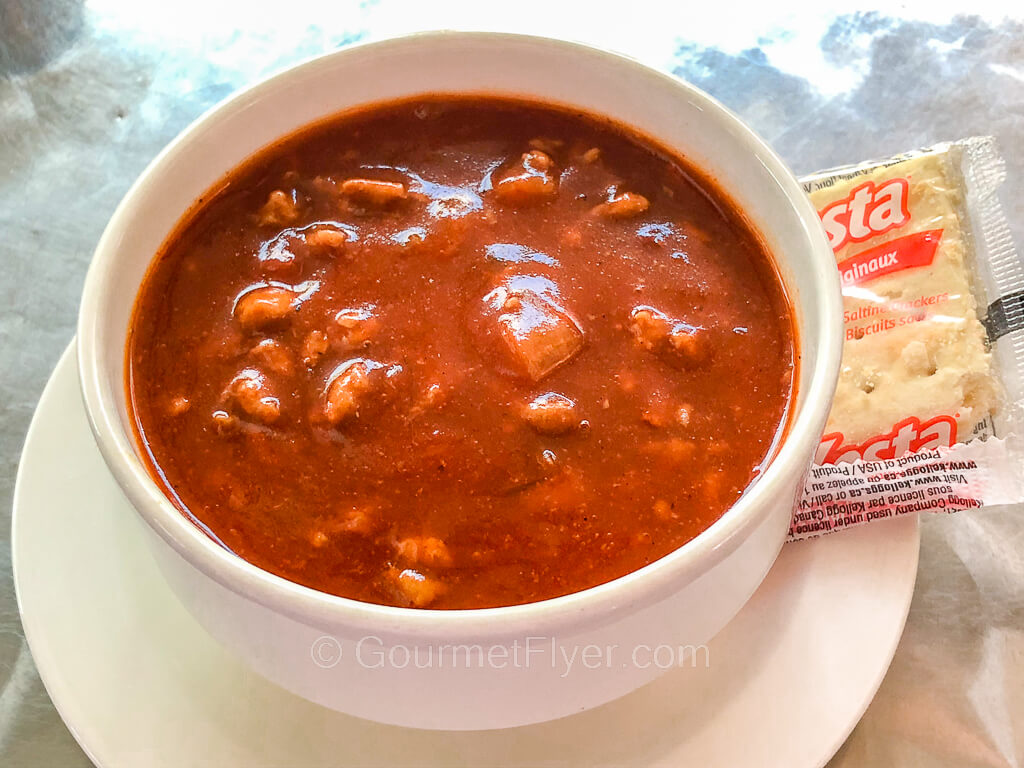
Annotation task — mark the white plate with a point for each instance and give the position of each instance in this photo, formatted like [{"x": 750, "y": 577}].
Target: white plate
[{"x": 140, "y": 684}]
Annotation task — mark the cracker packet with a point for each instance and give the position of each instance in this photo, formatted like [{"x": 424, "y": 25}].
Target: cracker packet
[{"x": 928, "y": 411}]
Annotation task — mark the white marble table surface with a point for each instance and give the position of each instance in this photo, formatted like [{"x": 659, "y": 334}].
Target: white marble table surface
[{"x": 90, "y": 91}]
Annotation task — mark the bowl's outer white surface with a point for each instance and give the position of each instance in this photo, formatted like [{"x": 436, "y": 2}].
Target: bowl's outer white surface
[
  {"x": 457, "y": 695},
  {"x": 685, "y": 598}
]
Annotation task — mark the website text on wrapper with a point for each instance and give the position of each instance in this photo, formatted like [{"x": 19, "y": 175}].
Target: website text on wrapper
[{"x": 371, "y": 652}]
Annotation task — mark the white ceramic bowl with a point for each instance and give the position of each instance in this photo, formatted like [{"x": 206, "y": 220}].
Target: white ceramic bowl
[{"x": 497, "y": 667}]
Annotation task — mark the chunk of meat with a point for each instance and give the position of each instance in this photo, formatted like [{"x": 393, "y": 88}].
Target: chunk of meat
[
  {"x": 251, "y": 393},
  {"x": 440, "y": 239},
  {"x": 444, "y": 201},
  {"x": 551, "y": 414},
  {"x": 538, "y": 331},
  {"x": 277, "y": 257},
  {"x": 358, "y": 520},
  {"x": 273, "y": 356},
  {"x": 375, "y": 193},
  {"x": 283, "y": 256},
  {"x": 346, "y": 390},
  {"x": 224, "y": 423},
  {"x": 264, "y": 306},
  {"x": 356, "y": 325},
  {"x": 352, "y": 328},
  {"x": 281, "y": 209},
  {"x": 674, "y": 340},
  {"x": 410, "y": 239},
  {"x": 530, "y": 182},
  {"x": 327, "y": 238},
  {"x": 663, "y": 412},
  {"x": 621, "y": 205},
  {"x": 314, "y": 346},
  {"x": 410, "y": 588},
  {"x": 434, "y": 395},
  {"x": 423, "y": 550},
  {"x": 350, "y": 386},
  {"x": 362, "y": 520},
  {"x": 545, "y": 144}
]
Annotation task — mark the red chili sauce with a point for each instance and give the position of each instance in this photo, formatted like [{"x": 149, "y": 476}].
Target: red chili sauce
[{"x": 460, "y": 353}]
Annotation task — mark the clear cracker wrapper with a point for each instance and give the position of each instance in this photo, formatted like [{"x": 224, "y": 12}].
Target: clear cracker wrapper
[{"x": 927, "y": 415}]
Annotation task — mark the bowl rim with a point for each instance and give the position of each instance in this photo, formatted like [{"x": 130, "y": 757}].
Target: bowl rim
[{"x": 591, "y": 606}]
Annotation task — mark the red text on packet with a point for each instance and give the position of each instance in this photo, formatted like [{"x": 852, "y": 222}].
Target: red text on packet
[
  {"x": 916, "y": 250},
  {"x": 869, "y": 210},
  {"x": 908, "y": 436}
]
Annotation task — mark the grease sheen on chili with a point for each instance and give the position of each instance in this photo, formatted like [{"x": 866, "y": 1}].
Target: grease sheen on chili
[{"x": 459, "y": 352}]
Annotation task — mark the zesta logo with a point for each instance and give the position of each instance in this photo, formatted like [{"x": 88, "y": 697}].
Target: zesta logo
[
  {"x": 867, "y": 212},
  {"x": 908, "y": 436}
]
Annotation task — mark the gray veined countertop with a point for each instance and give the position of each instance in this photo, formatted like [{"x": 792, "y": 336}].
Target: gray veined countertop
[{"x": 89, "y": 92}]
